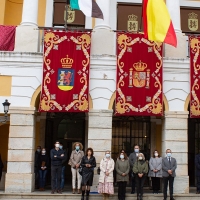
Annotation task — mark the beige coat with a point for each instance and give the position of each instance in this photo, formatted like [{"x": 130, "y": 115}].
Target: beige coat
[
  {"x": 76, "y": 157},
  {"x": 110, "y": 168}
]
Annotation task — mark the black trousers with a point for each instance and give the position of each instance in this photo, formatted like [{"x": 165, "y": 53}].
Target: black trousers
[
  {"x": 198, "y": 183},
  {"x": 133, "y": 184},
  {"x": 167, "y": 180},
  {"x": 155, "y": 183},
  {"x": 140, "y": 184},
  {"x": 56, "y": 174},
  {"x": 121, "y": 190}
]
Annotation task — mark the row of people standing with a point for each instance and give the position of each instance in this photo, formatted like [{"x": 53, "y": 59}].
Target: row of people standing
[{"x": 140, "y": 168}]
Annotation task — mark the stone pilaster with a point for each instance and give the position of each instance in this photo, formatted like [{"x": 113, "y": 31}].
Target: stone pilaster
[
  {"x": 103, "y": 39},
  {"x": 20, "y": 171},
  {"x": 99, "y": 136},
  {"x": 174, "y": 137},
  {"x": 181, "y": 50},
  {"x": 27, "y": 37}
]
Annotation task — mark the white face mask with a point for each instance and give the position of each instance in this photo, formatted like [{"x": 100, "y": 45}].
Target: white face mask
[
  {"x": 156, "y": 154},
  {"x": 43, "y": 152},
  {"x": 57, "y": 145},
  {"x": 122, "y": 156},
  {"x": 140, "y": 157},
  {"x": 107, "y": 155}
]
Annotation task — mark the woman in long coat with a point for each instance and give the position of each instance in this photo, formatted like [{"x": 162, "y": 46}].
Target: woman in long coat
[
  {"x": 155, "y": 172},
  {"x": 88, "y": 163},
  {"x": 106, "y": 176},
  {"x": 140, "y": 169},
  {"x": 75, "y": 161},
  {"x": 122, "y": 168}
]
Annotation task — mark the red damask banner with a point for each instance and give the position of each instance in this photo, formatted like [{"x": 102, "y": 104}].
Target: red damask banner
[
  {"x": 65, "y": 72},
  {"x": 194, "y": 77},
  {"x": 139, "y": 76},
  {"x": 7, "y": 38}
]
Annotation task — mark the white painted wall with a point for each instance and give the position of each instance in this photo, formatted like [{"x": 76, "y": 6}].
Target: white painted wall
[{"x": 26, "y": 72}]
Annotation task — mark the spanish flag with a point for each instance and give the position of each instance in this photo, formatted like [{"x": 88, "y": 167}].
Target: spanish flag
[{"x": 158, "y": 25}]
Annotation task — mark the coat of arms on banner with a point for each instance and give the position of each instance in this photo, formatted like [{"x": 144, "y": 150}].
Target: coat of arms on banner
[
  {"x": 193, "y": 21},
  {"x": 66, "y": 75},
  {"x": 139, "y": 78},
  {"x": 132, "y": 23},
  {"x": 70, "y": 15}
]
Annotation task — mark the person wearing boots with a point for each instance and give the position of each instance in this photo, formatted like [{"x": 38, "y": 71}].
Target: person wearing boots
[
  {"x": 122, "y": 168},
  {"x": 88, "y": 163},
  {"x": 140, "y": 169},
  {"x": 107, "y": 165},
  {"x": 75, "y": 161}
]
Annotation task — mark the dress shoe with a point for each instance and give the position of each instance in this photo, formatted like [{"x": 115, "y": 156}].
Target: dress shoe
[
  {"x": 59, "y": 191},
  {"x": 79, "y": 191},
  {"x": 197, "y": 192},
  {"x": 73, "y": 191},
  {"x": 53, "y": 191}
]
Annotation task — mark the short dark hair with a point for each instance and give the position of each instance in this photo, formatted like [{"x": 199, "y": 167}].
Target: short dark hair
[
  {"x": 39, "y": 146},
  {"x": 136, "y": 145},
  {"x": 125, "y": 156},
  {"x": 168, "y": 150},
  {"x": 57, "y": 141},
  {"x": 89, "y": 149},
  {"x": 154, "y": 153}
]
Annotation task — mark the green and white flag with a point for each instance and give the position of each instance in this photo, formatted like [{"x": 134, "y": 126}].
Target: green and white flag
[{"x": 89, "y": 7}]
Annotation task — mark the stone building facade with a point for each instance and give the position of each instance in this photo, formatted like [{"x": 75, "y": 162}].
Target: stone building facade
[{"x": 21, "y": 75}]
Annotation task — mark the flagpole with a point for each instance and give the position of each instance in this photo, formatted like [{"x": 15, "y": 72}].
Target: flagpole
[
  {"x": 66, "y": 15},
  {"x": 141, "y": 17}
]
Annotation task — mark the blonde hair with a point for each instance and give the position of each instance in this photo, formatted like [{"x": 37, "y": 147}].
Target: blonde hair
[{"x": 141, "y": 154}]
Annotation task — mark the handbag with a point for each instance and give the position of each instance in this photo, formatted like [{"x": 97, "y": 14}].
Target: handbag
[
  {"x": 80, "y": 170},
  {"x": 98, "y": 170}
]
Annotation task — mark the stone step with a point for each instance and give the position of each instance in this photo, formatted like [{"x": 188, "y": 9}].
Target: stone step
[{"x": 47, "y": 196}]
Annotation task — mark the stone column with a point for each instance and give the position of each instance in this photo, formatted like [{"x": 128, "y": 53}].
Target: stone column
[
  {"x": 99, "y": 136},
  {"x": 30, "y": 13},
  {"x": 27, "y": 37},
  {"x": 175, "y": 137},
  {"x": 174, "y": 10},
  {"x": 20, "y": 177},
  {"x": 181, "y": 50},
  {"x": 105, "y": 7},
  {"x": 103, "y": 39}
]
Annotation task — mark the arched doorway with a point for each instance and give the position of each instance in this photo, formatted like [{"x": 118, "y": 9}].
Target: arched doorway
[{"x": 67, "y": 128}]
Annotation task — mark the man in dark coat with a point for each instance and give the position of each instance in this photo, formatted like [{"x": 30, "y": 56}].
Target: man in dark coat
[
  {"x": 197, "y": 164},
  {"x": 1, "y": 167},
  {"x": 132, "y": 159},
  {"x": 37, "y": 155}
]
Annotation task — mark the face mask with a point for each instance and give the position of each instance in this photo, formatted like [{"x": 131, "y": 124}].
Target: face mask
[
  {"x": 122, "y": 156},
  {"x": 57, "y": 145},
  {"x": 136, "y": 150},
  {"x": 156, "y": 154},
  {"x": 140, "y": 158},
  {"x": 169, "y": 154},
  {"x": 77, "y": 148},
  {"x": 43, "y": 152},
  {"x": 38, "y": 150},
  {"x": 107, "y": 155},
  {"x": 61, "y": 147}
]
